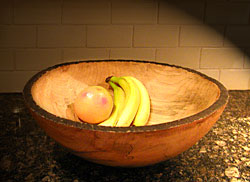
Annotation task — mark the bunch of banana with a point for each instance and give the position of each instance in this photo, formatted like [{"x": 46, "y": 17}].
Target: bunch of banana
[{"x": 131, "y": 102}]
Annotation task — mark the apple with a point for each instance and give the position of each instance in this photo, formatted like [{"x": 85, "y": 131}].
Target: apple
[{"x": 94, "y": 104}]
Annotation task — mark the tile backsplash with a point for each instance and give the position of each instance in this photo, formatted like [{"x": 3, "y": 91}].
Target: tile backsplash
[{"x": 211, "y": 36}]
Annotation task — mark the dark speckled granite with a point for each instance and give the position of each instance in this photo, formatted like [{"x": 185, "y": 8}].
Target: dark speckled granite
[{"x": 27, "y": 154}]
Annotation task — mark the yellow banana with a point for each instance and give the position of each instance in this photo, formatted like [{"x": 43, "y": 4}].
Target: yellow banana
[
  {"x": 143, "y": 112},
  {"x": 119, "y": 100},
  {"x": 132, "y": 100}
]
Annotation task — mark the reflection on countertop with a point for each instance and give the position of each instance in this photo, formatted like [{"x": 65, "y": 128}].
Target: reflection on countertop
[{"x": 27, "y": 154}]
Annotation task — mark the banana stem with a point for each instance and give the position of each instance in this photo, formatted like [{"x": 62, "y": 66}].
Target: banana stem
[{"x": 108, "y": 79}]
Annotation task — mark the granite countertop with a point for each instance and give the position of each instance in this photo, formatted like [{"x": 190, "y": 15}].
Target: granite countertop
[{"x": 27, "y": 154}]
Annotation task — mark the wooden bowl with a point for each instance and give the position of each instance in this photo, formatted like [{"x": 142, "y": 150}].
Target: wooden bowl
[{"x": 185, "y": 105}]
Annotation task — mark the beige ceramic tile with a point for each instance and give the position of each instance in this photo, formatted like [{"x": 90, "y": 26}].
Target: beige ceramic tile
[
  {"x": 146, "y": 54},
  {"x": 14, "y": 81},
  {"x": 201, "y": 35},
  {"x": 6, "y": 12},
  {"x": 227, "y": 13},
  {"x": 17, "y": 36},
  {"x": 61, "y": 36},
  {"x": 187, "y": 57},
  {"x": 86, "y": 12},
  {"x": 156, "y": 36},
  {"x": 184, "y": 12},
  {"x": 75, "y": 54},
  {"x": 6, "y": 59},
  {"x": 222, "y": 58},
  {"x": 235, "y": 78},
  {"x": 36, "y": 59},
  {"x": 37, "y": 12},
  {"x": 213, "y": 73},
  {"x": 238, "y": 35},
  {"x": 134, "y": 12},
  {"x": 109, "y": 36}
]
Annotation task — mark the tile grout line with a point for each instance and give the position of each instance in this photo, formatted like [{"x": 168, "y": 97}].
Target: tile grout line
[
  {"x": 62, "y": 54},
  {"x": 36, "y": 46},
  {"x": 109, "y": 53},
  {"x": 133, "y": 37},
  {"x": 14, "y": 59},
  {"x": 86, "y": 36},
  {"x": 155, "y": 51},
  {"x": 201, "y": 51},
  {"x": 179, "y": 36}
]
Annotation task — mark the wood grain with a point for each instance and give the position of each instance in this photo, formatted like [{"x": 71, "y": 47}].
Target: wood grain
[{"x": 175, "y": 93}]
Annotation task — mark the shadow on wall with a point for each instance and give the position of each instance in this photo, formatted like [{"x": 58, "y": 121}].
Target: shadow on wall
[{"x": 229, "y": 19}]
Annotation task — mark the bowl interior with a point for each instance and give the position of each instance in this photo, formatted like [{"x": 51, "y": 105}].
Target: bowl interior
[{"x": 175, "y": 92}]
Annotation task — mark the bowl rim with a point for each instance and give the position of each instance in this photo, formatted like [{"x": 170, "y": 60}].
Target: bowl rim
[{"x": 31, "y": 104}]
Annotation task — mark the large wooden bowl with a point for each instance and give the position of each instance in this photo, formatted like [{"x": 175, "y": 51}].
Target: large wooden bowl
[{"x": 185, "y": 105}]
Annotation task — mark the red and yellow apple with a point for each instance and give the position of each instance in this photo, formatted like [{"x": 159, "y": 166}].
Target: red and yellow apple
[{"x": 94, "y": 104}]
